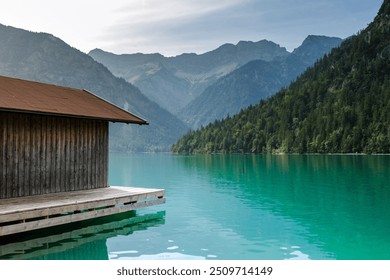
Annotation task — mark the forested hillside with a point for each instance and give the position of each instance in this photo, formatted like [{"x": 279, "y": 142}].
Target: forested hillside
[{"x": 341, "y": 105}]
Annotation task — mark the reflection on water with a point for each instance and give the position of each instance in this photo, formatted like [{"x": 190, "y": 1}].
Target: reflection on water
[
  {"x": 237, "y": 207},
  {"x": 161, "y": 256},
  {"x": 86, "y": 240},
  {"x": 267, "y": 206}
]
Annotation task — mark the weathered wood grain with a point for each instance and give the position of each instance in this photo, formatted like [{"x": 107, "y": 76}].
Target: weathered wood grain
[{"x": 47, "y": 154}]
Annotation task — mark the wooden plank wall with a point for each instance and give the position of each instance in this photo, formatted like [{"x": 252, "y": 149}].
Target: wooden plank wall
[{"x": 46, "y": 154}]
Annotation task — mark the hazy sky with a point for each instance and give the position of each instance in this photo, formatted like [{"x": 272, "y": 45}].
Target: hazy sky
[{"x": 173, "y": 27}]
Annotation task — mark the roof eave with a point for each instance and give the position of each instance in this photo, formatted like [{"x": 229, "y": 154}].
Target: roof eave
[
  {"x": 10, "y": 110},
  {"x": 141, "y": 121}
]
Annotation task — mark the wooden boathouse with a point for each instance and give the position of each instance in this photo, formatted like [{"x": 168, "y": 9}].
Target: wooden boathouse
[{"x": 54, "y": 157}]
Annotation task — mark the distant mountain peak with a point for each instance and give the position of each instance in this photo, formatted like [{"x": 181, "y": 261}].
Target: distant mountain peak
[
  {"x": 184, "y": 77},
  {"x": 316, "y": 44},
  {"x": 316, "y": 40}
]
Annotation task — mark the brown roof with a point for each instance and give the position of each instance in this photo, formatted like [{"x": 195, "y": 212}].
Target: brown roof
[{"x": 32, "y": 97}]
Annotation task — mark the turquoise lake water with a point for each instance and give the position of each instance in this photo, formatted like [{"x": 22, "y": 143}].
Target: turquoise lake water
[{"x": 235, "y": 207}]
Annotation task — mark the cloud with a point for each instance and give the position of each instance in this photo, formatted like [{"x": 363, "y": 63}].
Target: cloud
[
  {"x": 154, "y": 23},
  {"x": 172, "y": 27},
  {"x": 176, "y": 26},
  {"x": 153, "y": 11}
]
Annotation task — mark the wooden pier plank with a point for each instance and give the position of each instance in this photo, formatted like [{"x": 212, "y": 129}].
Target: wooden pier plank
[
  {"x": 95, "y": 203},
  {"x": 40, "y": 224}
]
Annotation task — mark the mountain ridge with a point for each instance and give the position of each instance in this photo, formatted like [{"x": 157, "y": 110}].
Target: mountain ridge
[
  {"x": 312, "y": 45},
  {"x": 45, "y": 58},
  {"x": 253, "y": 82},
  {"x": 193, "y": 72},
  {"x": 340, "y": 105}
]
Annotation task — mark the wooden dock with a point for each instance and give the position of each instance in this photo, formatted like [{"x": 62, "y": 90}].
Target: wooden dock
[{"x": 41, "y": 211}]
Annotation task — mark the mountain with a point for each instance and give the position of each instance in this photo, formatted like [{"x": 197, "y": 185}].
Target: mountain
[
  {"x": 247, "y": 85},
  {"x": 253, "y": 82},
  {"x": 340, "y": 105},
  {"x": 45, "y": 58},
  {"x": 184, "y": 77},
  {"x": 315, "y": 47}
]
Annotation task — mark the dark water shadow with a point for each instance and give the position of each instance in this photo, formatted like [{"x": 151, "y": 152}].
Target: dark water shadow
[{"x": 79, "y": 241}]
